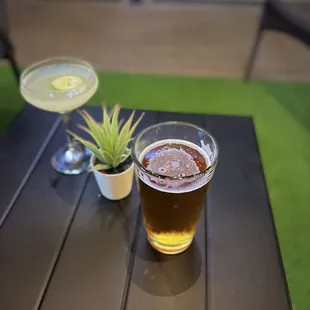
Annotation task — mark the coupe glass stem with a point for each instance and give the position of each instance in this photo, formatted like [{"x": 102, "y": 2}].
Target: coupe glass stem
[
  {"x": 72, "y": 158},
  {"x": 66, "y": 117}
]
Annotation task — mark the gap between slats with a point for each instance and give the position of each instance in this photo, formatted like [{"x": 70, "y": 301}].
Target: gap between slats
[{"x": 29, "y": 171}]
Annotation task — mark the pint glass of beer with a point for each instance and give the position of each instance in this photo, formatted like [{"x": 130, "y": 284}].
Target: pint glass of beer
[{"x": 174, "y": 162}]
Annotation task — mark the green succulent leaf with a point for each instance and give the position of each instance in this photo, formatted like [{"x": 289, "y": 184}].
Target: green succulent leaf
[
  {"x": 89, "y": 132},
  {"x": 106, "y": 121},
  {"x": 114, "y": 126},
  {"x": 124, "y": 132},
  {"x": 108, "y": 158},
  {"x": 122, "y": 147},
  {"x": 100, "y": 167},
  {"x": 111, "y": 137},
  {"x": 120, "y": 123},
  {"x": 107, "y": 138},
  {"x": 134, "y": 126},
  {"x": 118, "y": 160},
  {"x": 89, "y": 145},
  {"x": 94, "y": 128}
]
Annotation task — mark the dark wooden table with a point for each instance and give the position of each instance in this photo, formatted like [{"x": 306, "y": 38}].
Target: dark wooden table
[{"x": 63, "y": 247}]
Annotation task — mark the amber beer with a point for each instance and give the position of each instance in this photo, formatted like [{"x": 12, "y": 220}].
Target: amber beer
[{"x": 174, "y": 176}]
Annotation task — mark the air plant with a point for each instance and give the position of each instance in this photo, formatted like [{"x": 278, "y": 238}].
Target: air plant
[{"x": 110, "y": 138}]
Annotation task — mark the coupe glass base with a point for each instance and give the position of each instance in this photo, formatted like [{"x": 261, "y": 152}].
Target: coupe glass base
[{"x": 72, "y": 160}]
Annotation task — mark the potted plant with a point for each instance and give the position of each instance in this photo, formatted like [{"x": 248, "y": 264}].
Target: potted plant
[{"x": 111, "y": 161}]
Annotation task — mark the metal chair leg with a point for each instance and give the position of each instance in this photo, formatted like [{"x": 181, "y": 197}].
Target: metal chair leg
[
  {"x": 250, "y": 63},
  {"x": 10, "y": 57}
]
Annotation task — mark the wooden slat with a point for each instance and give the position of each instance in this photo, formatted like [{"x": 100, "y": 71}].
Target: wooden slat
[
  {"x": 245, "y": 268},
  {"x": 34, "y": 232},
  {"x": 170, "y": 282},
  {"x": 92, "y": 270},
  {"x": 21, "y": 147}
]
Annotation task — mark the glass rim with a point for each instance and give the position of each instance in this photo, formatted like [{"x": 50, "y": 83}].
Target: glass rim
[
  {"x": 61, "y": 59},
  {"x": 161, "y": 176}
]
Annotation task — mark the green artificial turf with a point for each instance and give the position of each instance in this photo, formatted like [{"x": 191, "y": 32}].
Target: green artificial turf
[
  {"x": 281, "y": 113},
  {"x": 10, "y": 100}
]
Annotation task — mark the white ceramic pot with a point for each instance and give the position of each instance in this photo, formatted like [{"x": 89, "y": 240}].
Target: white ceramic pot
[{"x": 115, "y": 186}]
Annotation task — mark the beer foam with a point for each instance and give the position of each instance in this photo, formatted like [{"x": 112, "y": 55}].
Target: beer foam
[{"x": 174, "y": 163}]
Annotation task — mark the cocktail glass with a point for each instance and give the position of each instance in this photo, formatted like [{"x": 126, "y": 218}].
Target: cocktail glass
[{"x": 62, "y": 85}]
